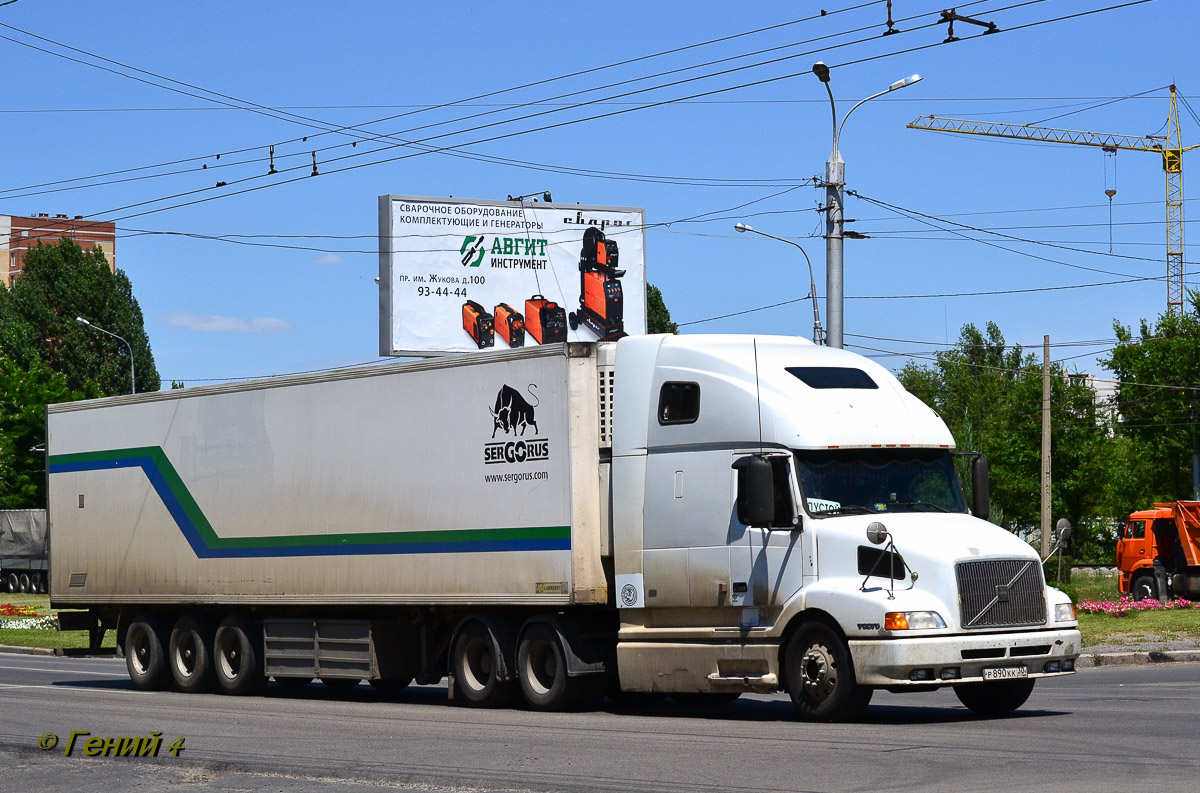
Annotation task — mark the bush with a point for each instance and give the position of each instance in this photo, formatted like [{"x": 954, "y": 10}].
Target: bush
[
  {"x": 1070, "y": 592},
  {"x": 1050, "y": 566}
]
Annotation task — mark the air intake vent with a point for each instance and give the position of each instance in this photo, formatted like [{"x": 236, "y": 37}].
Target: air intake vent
[
  {"x": 605, "y": 378},
  {"x": 1001, "y": 593}
]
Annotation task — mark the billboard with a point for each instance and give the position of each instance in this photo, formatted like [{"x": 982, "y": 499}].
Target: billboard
[{"x": 457, "y": 275}]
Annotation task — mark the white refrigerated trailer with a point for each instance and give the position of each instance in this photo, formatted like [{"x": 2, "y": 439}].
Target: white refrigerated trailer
[{"x": 693, "y": 515}]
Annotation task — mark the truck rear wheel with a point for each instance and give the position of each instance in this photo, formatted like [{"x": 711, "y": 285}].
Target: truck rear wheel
[
  {"x": 820, "y": 676},
  {"x": 542, "y": 670},
  {"x": 145, "y": 656},
  {"x": 190, "y": 654},
  {"x": 995, "y": 698},
  {"x": 477, "y": 668},
  {"x": 237, "y": 655}
]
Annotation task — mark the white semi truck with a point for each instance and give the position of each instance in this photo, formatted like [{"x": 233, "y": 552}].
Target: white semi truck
[{"x": 699, "y": 516}]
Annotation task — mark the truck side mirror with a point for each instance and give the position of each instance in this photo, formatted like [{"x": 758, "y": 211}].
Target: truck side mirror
[
  {"x": 980, "y": 488},
  {"x": 755, "y": 491}
]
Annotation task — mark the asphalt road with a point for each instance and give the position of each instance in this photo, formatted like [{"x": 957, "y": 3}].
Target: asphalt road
[{"x": 1119, "y": 728}]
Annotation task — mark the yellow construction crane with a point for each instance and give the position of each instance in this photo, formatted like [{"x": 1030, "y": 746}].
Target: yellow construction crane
[{"x": 1169, "y": 147}]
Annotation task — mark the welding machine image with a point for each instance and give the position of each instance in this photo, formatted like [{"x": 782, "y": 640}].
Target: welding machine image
[
  {"x": 545, "y": 320},
  {"x": 479, "y": 324},
  {"x": 510, "y": 325},
  {"x": 601, "y": 301}
]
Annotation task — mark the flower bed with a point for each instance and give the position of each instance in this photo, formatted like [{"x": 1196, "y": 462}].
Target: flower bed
[
  {"x": 47, "y": 623},
  {"x": 1125, "y": 604},
  {"x": 9, "y": 610}
]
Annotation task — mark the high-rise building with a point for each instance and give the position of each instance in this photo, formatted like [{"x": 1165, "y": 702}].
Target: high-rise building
[{"x": 18, "y": 234}]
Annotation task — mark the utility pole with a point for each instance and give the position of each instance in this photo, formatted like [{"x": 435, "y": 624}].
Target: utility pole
[{"x": 1045, "y": 446}]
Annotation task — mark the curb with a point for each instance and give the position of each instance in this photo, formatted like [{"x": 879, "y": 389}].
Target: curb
[
  {"x": 1087, "y": 660},
  {"x": 11, "y": 648}
]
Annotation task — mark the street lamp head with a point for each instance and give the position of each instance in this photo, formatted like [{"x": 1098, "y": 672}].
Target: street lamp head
[
  {"x": 821, "y": 71},
  {"x": 741, "y": 227},
  {"x": 905, "y": 82},
  {"x": 82, "y": 321}
]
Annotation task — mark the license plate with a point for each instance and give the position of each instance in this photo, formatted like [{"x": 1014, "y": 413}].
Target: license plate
[{"x": 1005, "y": 673}]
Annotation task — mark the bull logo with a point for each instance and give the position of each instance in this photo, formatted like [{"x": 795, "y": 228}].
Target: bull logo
[{"x": 512, "y": 411}]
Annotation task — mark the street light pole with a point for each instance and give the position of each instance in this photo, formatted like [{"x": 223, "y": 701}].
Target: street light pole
[
  {"x": 132, "y": 375},
  {"x": 835, "y": 182},
  {"x": 812, "y": 282}
]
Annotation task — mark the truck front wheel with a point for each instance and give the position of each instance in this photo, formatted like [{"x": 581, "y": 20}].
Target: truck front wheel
[
  {"x": 996, "y": 698},
  {"x": 820, "y": 676},
  {"x": 236, "y": 650},
  {"x": 145, "y": 657},
  {"x": 190, "y": 654},
  {"x": 1143, "y": 588}
]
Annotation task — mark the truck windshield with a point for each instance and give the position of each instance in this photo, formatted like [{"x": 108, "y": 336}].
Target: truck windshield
[{"x": 867, "y": 481}]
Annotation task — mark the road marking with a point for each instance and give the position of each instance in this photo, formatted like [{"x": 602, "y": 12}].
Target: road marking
[{"x": 69, "y": 671}]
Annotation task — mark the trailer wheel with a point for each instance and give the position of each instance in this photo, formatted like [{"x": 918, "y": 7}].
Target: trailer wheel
[
  {"x": 39, "y": 583},
  {"x": 477, "y": 669},
  {"x": 339, "y": 683},
  {"x": 1143, "y": 588},
  {"x": 996, "y": 698},
  {"x": 542, "y": 670},
  {"x": 190, "y": 654},
  {"x": 25, "y": 583},
  {"x": 11, "y": 582},
  {"x": 237, "y": 655},
  {"x": 820, "y": 676},
  {"x": 705, "y": 699},
  {"x": 144, "y": 653}
]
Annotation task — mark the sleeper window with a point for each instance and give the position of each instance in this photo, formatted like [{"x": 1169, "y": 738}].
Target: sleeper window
[{"x": 679, "y": 403}]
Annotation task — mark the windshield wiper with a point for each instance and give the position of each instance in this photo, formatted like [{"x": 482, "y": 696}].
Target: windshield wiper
[
  {"x": 846, "y": 508},
  {"x": 938, "y": 507}
]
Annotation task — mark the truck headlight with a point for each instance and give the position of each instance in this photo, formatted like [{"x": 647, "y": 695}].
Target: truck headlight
[
  {"x": 1064, "y": 612},
  {"x": 912, "y": 620}
]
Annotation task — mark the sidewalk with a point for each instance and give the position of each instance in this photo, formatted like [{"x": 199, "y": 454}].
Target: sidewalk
[{"x": 1148, "y": 652}]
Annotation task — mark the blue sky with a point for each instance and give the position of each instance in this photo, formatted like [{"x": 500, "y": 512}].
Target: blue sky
[{"x": 295, "y": 291}]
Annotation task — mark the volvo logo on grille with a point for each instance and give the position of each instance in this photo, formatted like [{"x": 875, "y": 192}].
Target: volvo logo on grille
[{"x": 1002, "y": 593}]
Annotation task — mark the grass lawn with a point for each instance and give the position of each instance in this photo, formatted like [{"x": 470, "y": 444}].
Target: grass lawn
[{"x": 36, "y": 638}]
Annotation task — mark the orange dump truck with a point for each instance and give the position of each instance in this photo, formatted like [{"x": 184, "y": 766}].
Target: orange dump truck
[{"x": 1158, "y": 553}]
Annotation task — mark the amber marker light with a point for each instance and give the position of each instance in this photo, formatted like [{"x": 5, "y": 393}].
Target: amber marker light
[{"x": 895, "y": 621}]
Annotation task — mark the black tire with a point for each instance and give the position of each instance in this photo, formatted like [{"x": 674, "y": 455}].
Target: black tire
[
  {"x": 994, "y": 698},
  {"x": 25, "y": 583},
  {"x": 13, "y": 582},
  {"x": 477, "y": 680},
  {"x": 42, "y": 583},
  {"x": 237, "y": 655},
  {"x": 392, "y": 685},
  {"x": 820, "y": 676},
  {"x": 705, "y": 699},
  {"x": 340, "y": 683},
  {"x": 292, "y": 683},
  {"x": 145, "y": 653},
  {"x": 1144, "y": 588},
  {"x": 542, "y": 671},
  {"x": 190, "y": 654}
]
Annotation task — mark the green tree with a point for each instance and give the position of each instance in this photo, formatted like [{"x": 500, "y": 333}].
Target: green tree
[
  {"x": 658, "y": 319},
  {"x": 1158, "y": 401},
  {"x": 990, "y": 395},
  {"x": 24, "y": 393},
  {"x": 37, "y": 320}
]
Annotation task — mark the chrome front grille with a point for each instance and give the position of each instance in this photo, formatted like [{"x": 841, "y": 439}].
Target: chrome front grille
[{"x": 1001, "y": 592}]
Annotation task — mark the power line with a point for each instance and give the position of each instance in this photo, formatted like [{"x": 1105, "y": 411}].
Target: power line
[{"x": 609, "y": 114}]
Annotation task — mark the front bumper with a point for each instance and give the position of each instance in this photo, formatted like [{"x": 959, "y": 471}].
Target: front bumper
[{"x": 961, "y": 658}]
